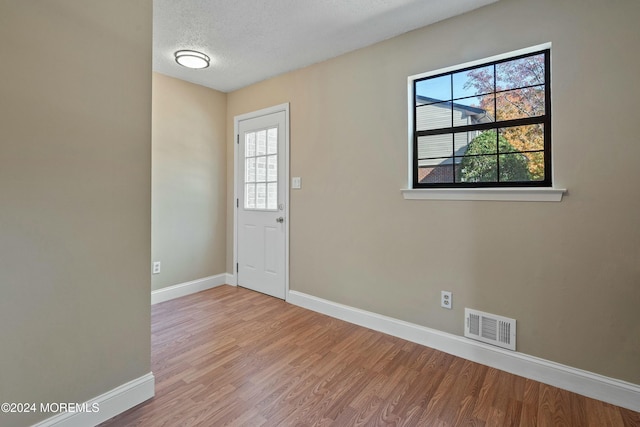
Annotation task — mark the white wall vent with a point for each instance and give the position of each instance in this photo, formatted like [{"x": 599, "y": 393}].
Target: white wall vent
[{"x": 490, "y": 328}]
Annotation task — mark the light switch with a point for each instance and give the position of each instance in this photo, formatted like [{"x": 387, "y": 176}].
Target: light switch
[{"x": 296, "y": 182}]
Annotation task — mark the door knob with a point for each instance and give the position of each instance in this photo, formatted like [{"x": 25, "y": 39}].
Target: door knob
[{"x": 280, "y": 220}]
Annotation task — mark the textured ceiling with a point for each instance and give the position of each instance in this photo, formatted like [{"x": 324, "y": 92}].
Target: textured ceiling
[{"x": 252, "y": 40}]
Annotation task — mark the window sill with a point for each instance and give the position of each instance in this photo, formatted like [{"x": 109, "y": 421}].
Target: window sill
[{"x": 492, "y": 194}]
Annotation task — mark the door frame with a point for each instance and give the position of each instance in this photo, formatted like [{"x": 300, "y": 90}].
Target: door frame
[{"x": 236, "y": 122}]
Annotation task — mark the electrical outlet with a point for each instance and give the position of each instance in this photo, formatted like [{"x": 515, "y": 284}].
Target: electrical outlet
[
  {"x": 445, "y": 300},
  {"x": 156, "y": 267}
]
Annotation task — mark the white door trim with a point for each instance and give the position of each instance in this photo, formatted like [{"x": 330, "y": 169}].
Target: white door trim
[{"x": 236, "y": 121}]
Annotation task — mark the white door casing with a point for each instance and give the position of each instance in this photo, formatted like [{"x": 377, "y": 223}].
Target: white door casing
[{"x": 262, "y": 199}]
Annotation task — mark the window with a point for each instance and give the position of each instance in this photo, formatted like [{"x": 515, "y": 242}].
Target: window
[
  {"x": 261, "y": 170},
  {"x": 486, "y": 124}
]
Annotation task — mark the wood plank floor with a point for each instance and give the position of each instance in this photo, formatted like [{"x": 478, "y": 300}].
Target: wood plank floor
[{"x": 230, "y": 356}]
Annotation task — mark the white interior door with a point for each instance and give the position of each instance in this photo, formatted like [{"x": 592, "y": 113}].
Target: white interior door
[{"x": 261, "y": 203}]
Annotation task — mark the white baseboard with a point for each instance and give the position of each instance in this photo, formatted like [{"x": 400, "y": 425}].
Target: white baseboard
[
  {"x": 610, "y": 390},
  {"x": 188, "y": 288},
  {"x": 110, "y": 404},
  {"x": 231, "y": 279}
]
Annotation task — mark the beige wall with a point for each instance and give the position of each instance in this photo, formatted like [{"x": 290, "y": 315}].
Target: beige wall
[
  {"x": 568, "y": 272},
  {"x": 75, "y": 195},
  {"x": 189, "y": 181}
]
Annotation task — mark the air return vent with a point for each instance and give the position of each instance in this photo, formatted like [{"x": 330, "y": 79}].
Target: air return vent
[{"x": 490, "y": 328}]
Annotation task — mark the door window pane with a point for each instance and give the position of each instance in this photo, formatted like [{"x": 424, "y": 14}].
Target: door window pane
[
  {"x": 272, "y": 168},
  {"x": 250, "y": 170},
  {"x": 250, "y": 196},
  {"x": 261, "y": 143},
  {"x": 261, "y": 169},
  {"x": 261, "y": 196},
  {"x": 272, "y": 141},
  {"x": 250, "y": 144}
]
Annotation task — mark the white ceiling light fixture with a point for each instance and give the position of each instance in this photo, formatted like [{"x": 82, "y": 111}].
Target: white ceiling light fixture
[{"x": 192, "y": 59}]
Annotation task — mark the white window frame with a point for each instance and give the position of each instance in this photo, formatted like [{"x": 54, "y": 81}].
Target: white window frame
[{"x": 534, "y": 194}]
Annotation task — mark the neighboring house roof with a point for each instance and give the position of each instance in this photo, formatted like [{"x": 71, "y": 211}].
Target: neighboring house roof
[{"x": 471, "y": 111}]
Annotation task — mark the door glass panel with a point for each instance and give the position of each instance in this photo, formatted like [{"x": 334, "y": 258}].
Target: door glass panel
[
  {"x": 250, "y": 196},
  {"x": 261, "y": 170},
  {"x": 261, "y": 143},
  {"x": 272, "y": 168},
  {"x": 250, "y": 147},
  {"x": 272, "y": 141},
  {"x": 250, "y": 170},
  {"x": 261, "y": 196}
]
